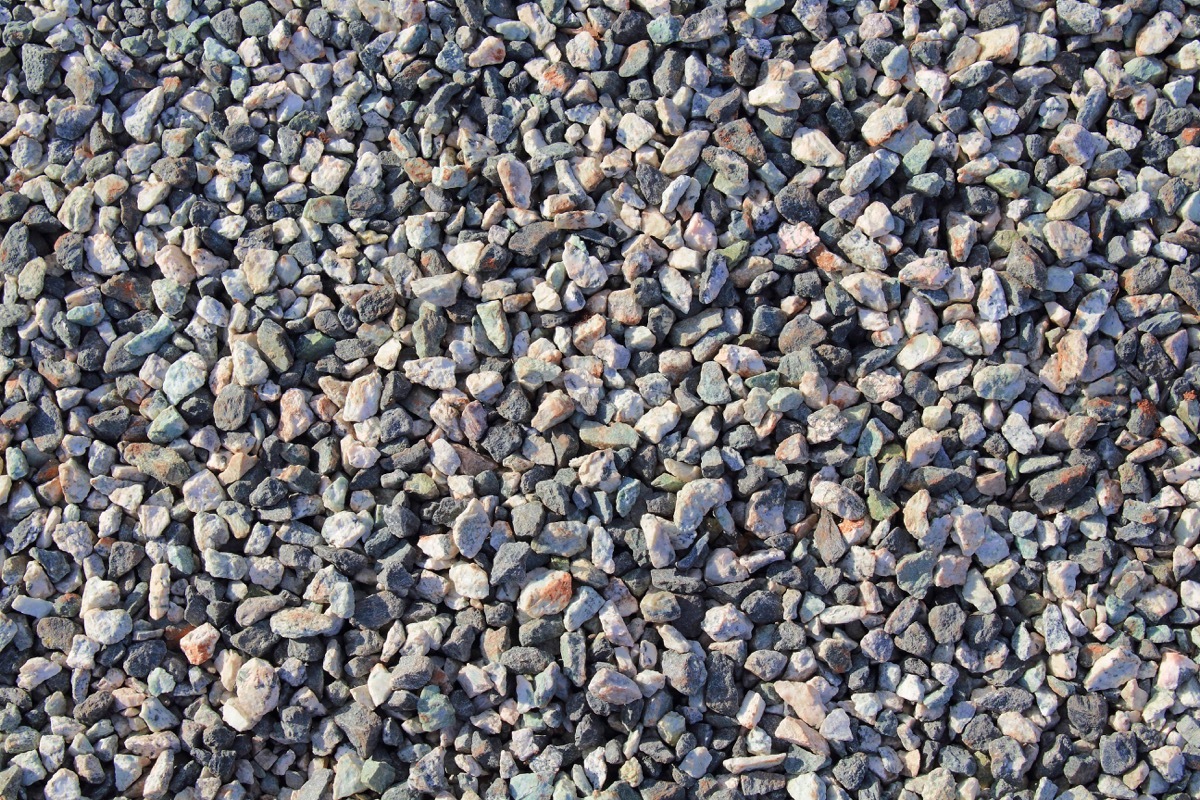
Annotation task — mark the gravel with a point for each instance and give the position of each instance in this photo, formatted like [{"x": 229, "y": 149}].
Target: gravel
[{"x": 549, "y": 400}]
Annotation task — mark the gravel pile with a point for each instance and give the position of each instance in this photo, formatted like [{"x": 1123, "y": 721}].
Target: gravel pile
[{"x": 542, "y": 401}]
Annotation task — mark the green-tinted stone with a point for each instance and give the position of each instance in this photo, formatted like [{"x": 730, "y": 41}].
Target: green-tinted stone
[
  {"x": 534, "y": 721},
  {"x": 377, "y": 776},
  {"x": 1118, "y": 610},
  {"x": 879, "y": 506},
  {"x": 1009, "y": 182},
  {"x": 671, "y": 727},
  {"x": 169, "y": 296},
  {"x": 928, "y": 184},
  {"x": 636, "y": 58},
  {"x": 614, "y": 436},
  {"x": 152, "y": 338},
  {"x": 434, "y": 710},
  {"x": 1042, "y": 200},
  {"x": 1028, "y": 548},
  {"x": 160, "y": 463},
  {"x": 533, "y": 373},
  {"x": 529, "y": 786},
  {"x": 509, "y": 29},
  {"x": 88, "y": 315},
  {"x": 664, "y": 29},
  {"x": 181, "y": 41},
  {"x": 543, "y": 687},
  {"x": 1001, "y": 243},
  {"x": 871, "y": 442},
  {"x": 785, "y": 399},
  {"x": 495, "y": 325},
  {"x": 136, "y": 46},
  {"x": 914, "y": 160},
  {"x": 32, "y": 280},
  {"x": 167, "y": 426},
  {"x": 846, "y": 79},
  {"x": 810, "y": 607},
  {"x": 181, "y": 558},
  {"x": 1031, "y": 605},
  {"x": 313, "y": 346},
  {"x": 772, "y": 177},
  {"x": 1189, "y": 413},
  {"x": 690, "y": 330},
  {"x": 1159, "y": 634},
  {"x": 326, "y": 210},
  {"x": 766, "y": 380},
  {"x": 856, "y": 417},
  {"x": 256, "y": 19},
  {"x": 1002, "y": 382},
  {"x": 422, "y": 486},
  {"x": 914, "y": 573},
  {"x": 334, "y": 496},
  {"x": 668, "y": 483},
  {"x": 160, "y": 682},
  {"x": 556, "y": 275},
  {"x": 215, "y": 51},
  {"x": 627, "y": 496},
  {"x": 16, "y": 464},
  {"x": 1145, "y": 69},
  {"x": 428, "y": 331},
  {"x": 239, "y": 84}
]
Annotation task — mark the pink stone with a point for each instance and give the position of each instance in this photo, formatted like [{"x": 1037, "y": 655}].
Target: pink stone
[{"x": 200, "y": 644}]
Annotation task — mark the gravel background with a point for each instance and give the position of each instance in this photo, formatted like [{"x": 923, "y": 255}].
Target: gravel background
[{"x": 544, "y": 401}]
